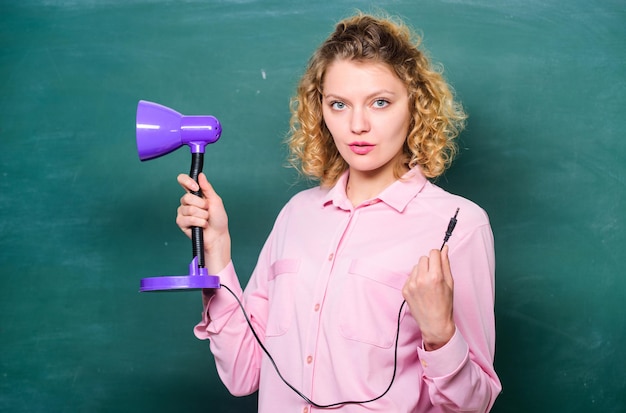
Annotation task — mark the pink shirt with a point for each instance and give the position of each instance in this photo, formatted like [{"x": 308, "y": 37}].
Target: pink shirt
[{"x": 325, "y": 297}]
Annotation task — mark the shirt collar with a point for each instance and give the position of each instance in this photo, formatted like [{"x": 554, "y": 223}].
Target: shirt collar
[{"x": 397, "y": 195}]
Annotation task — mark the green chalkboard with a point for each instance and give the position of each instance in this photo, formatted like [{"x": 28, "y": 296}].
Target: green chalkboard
[{"x": 82, "y": 220}]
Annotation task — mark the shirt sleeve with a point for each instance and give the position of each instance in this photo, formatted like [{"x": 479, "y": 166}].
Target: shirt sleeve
[
  {"x": 460, "y": 375},
  {"x": 219, "y": 303},
  {"x": 236, "y": 352}
]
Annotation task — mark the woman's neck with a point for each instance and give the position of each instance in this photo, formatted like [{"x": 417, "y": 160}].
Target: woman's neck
[{"x": 363, "y": 186}]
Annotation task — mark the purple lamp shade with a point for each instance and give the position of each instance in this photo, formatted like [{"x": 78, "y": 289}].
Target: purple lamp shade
[{"x": 161, "y": 130}]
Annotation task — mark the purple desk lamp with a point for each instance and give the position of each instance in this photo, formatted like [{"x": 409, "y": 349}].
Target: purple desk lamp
[{"x": 161, "y": 130}]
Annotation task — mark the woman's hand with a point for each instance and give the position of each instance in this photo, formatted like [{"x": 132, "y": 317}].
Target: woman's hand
[
  {"x": 209, "y": 214},
  {"x": 429, "y": 294}
]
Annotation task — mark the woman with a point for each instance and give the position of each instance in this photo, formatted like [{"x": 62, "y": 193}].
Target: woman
[{"x": 372, "y": 121}]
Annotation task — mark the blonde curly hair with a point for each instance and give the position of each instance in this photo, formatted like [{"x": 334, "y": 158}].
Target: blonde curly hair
[{"x": 437, "y": 117}]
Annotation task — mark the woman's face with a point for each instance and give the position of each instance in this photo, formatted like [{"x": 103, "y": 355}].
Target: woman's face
[{"x": 366, "y": 109}]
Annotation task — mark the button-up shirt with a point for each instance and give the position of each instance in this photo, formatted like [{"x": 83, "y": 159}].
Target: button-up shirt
[{"x": 325, "y": 297}]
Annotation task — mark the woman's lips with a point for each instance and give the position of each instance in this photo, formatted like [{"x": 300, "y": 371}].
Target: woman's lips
[{"x": 361, "y": 148}]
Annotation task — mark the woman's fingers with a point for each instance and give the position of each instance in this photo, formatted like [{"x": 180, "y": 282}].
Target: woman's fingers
[
  {"x": 187, "y": 183},
  {"x": 429, "y": 294},
  {"x": 445, "y": 268}
]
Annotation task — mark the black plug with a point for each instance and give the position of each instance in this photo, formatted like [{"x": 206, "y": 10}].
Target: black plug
[{"x": 451, "y": 226}]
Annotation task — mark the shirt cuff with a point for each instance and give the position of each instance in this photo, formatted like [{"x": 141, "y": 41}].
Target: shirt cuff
[
  {"x": 218, "y": 303},
  {"x": 447, "y": 359}
]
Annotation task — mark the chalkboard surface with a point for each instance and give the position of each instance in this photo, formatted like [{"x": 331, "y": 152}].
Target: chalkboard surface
[{"x": 82, "y": 220}]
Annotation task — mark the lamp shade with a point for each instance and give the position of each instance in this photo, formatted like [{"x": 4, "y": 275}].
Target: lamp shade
[{"x": 161, "y": 130}]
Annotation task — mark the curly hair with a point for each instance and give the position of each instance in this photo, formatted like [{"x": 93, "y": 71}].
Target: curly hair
[{"x": 437, "y": 118}]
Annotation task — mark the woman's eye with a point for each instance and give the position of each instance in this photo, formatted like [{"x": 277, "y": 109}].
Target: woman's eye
[
  {"x": 381, "y": 103},
  {"x": 338, "y": 105}
]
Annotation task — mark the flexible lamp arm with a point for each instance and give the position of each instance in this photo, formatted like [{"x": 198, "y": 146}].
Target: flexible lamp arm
[{"x": 197, "y": 239}]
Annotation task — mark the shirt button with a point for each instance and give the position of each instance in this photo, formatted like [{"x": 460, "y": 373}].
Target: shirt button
[
  {"x": 305, "y": 410},
  {"x": 317, "y": 307},
  {"x": 330, "y": 257},
  {"x": 309, "y": 360}
]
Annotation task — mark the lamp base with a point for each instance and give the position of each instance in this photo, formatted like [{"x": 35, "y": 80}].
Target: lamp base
[
  {"x": 180, "y": 282},
  {"x": 197, "y": 279}
]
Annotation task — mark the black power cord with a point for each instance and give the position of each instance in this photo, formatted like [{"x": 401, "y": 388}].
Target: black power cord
[
  {"x": 298, "y": 392},
  {"x": 451, "y": 226}
]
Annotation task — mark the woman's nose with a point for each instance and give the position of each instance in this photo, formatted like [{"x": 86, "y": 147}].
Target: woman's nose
[{"x": 359, "y": 121}]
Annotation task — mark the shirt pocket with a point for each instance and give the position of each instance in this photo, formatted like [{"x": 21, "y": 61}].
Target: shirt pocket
[
  {"x": 370, "y": 304},
  {"x": 281, "y": 290}
]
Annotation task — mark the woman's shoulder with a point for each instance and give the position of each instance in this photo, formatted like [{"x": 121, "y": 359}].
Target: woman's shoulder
[
  {"x": 306, "y": 198},
  {"x": 446, "y": 202},
  {"x": 309, "y": 195}
]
